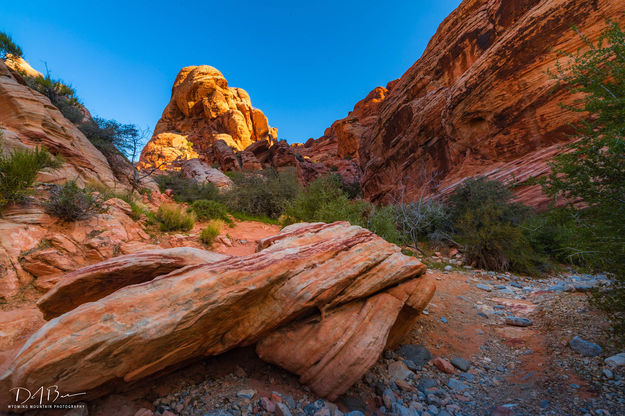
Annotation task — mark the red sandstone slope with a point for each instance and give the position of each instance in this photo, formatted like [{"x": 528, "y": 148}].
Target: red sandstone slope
[{"x": 479, "y": 100}]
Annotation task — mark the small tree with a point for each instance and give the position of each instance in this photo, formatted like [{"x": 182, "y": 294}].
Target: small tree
[
  {"x": 127, "y": 138},
  {"x": 422, "y": 217},
  {"x": 8, "y": 47},
  {"x": 593, "y": 168}
]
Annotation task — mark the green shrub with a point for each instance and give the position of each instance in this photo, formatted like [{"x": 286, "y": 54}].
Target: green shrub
[
  {"x": 186, "y": 190},
  {"x": 18, "y": 171},
  {"x": 551, "y": 233},
  {"x": 267, "y": 192},
  {"x": 352, "y": 189},
  {"x": 108, "y": 134},
  {"x": 70, "y": 202},
  {"x": 475, "y": 192},
  {"x": 325, "y": 200},
  {"x": 174, "y": 218},
  {"x": 138, "y": 210},
  {"x": 487, "y": 223},
  {"x": 60, "y": 94},
  {"x": 242, "y": 216},
  {"x": 8, "y": 47},
  {"x": 492, "y": 244},
  {"x": 208, "y": 234},
  {"x": 382, "y": 221},
  {"x": 210, "y": 210}
]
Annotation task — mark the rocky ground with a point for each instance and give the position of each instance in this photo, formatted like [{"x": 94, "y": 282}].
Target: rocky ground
[{"x": 488, "y": 344}]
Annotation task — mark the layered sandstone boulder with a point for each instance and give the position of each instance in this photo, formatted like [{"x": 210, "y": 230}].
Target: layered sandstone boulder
[
  {"x": 204, "y": 109},
  {"x": 331, "y": 353},
  {"x": 363, "y": 286},
  {"x": 479, "y": 102},
  {"x": 94, "y": 282}
]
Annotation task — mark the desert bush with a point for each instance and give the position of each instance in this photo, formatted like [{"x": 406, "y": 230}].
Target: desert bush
[
  {"x": 424, "y": 220},
  {"x": 18, "y": 171},
  {"x": 382, "y": 221},
  {"x": 185, "y": 189},
  {"x": 210, "y": 210},
  {"x": 70, "y": 203},
  {"x": 352, "y": 189},
  {"x": 325, "y": 200},
  {"x": 138, "y": 210},
  {"x": 550, "y": 234},
  {"x": 107, "y": 134},
  {"x": 174, "y": 218},
  {"x": 9, "y": 47},
  {"x": 208, "y": 234},
  {"x": 61, "y": 95},
  {"x": 487, "y": 224},
  {"x": 267, "y": 192}
]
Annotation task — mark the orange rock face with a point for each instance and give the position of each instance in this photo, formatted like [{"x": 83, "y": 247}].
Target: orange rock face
[
  {"x": 206, "y": 309},
  {"x": 203, "y": 110},
  {"x": 477, "y": 103}
]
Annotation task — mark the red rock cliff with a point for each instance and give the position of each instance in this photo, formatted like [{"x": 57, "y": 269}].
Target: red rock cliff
[{"x": 479, "y": 100}]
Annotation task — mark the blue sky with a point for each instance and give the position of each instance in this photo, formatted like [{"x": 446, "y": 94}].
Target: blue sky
[{"x": 303, "y": 65}]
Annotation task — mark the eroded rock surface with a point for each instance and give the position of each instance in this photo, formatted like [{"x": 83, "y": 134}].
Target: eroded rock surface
[
  {"x": 207, "y": 309},
  {"x": 479, "y": 102},
  {"x": 94, "y": 282},
  {"x": 204, "y": 109},
  {"x": 332, "y": 352}
]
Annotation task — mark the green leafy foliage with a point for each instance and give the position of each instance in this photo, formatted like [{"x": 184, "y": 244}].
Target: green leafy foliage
[
  {"x": 60, "y": 94},
  {"x": 382, "y": 221},
  {"x": 70, "y": 203},
  {"x": 487, "y": 224},
  {"x": 9, "y": 47},
  {"x": 138, "y": 210},
  {"x": 264, "y": 193},
  {"x": 174, "y": 218},
  {"x": 18, "y": 171},
  {"x": 324, "y": 200},
  {"x": 242, "y": 216},
  {"x": 208, "y": 234},
  {"x": 593, "y": 169},
  {"x": 210, "y": 210},
  {"x": 105, "y": 134},
  {"x": 186, "y": 190}
]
